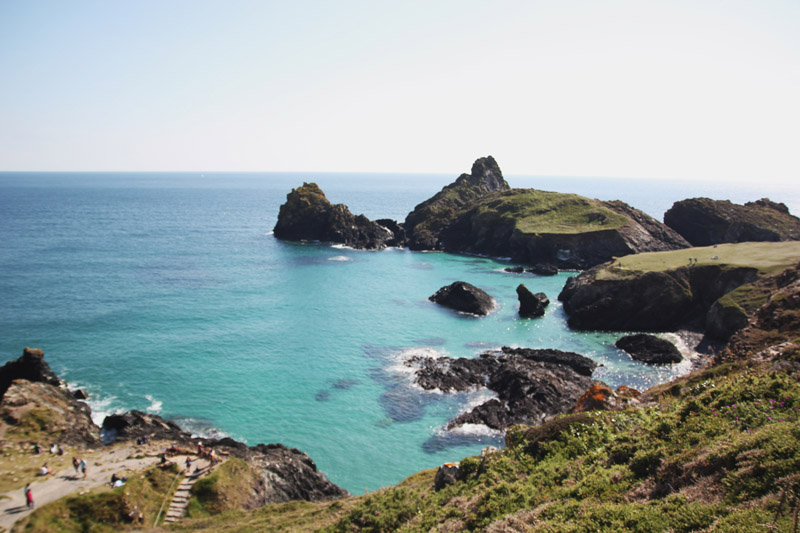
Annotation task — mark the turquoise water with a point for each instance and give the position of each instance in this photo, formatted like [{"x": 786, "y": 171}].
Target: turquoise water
[{"x": 168, "y": 293}]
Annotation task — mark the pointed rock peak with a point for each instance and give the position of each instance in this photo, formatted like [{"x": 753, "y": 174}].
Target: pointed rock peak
[{"x": 486, "y": 175}]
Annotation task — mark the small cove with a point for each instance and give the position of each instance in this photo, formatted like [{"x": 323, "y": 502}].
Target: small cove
[{"x": 168, "y": 293}]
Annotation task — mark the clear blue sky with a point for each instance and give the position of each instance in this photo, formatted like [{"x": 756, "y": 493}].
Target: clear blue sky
[{"x": 663, "y": 89}]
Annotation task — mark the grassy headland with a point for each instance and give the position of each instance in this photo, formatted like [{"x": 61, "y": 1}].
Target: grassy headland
[{"x": 767, "y": 257}]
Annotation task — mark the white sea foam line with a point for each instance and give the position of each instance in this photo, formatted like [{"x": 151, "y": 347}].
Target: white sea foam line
[
  {"x": 270, "y": 233},
  {"x": 155, "y": 405},
  {"x": 339, "y": 258}
]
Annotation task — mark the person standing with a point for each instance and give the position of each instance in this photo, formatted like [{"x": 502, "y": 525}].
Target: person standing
[
  {"x": 76, "y": 465},
  {"x": 83, "y": 467},
  {"x": 28, "y": 496}
]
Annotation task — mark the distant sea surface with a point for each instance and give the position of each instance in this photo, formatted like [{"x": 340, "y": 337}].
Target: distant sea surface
[{"x": 167, "y": 292}]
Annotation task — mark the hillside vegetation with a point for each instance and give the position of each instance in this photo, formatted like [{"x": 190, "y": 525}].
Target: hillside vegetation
[{"x": 536, "y": 212}]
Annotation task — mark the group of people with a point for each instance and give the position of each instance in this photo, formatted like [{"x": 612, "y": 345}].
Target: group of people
[
  {"x": 79, "y": 465},
  {"x": 55, "y": 449}
]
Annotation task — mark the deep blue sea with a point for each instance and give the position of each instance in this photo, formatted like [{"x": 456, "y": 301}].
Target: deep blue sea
[{"x": 167, "y": 292}]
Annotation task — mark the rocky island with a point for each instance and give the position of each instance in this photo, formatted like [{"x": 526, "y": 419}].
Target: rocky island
[{"x": 480, "y": 214}]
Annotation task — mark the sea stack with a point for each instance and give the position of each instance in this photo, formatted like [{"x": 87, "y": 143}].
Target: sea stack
[{"x": 307, "y": 215}]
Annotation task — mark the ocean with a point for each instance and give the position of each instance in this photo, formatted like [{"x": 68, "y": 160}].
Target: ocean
[{"x": 167, "y": 293}]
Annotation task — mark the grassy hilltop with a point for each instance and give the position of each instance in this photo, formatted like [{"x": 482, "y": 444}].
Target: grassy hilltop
[{"x": 767, "y": 257}]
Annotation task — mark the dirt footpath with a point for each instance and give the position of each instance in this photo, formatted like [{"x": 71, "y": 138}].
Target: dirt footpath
[{"x": 99, "y": 467}]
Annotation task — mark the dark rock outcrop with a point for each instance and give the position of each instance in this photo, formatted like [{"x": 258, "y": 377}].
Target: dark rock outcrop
[
  {"x": 307, "y": 215},
  {"x": 704, "y": 222},
  {"x": 136, "y": 424},
  {"x": 289, "y": 474},
  {"x": 34, "y": 399},
  {"x": 649, "y": 301},
  {"x": 531, "y": 305},
  {"x": 464, "y": 297},
  {"x": 773, "y": 330},
  {"x": 46, "y": 408},
  {"x": 531, "y": 385},
  {"x": 31, "y": 366},
  {"x": 649, "y": 349},
  {"x": 424, "y": 224},
  {"x": 543, "y": 269},
  {"x": 480, "y": 214}
]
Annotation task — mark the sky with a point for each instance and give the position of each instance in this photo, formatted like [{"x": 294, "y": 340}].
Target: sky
[{"x": 672, "y": 89}]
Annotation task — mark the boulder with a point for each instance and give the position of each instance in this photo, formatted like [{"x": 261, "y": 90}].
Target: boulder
[
  {"x": 307, "y": 215},
  {"x": 515, "y": 270},
  {"x": 31, "y": 366},
  {"x": 531, "y": 305},
  {"x": 531, "y": 385},
  {"x": 704, "y": 222},
  {"x": 464, "y": 297},
  {"x": 649, "y": 349}
]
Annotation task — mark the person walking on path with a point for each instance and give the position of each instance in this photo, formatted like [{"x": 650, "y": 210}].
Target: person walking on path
[
  {"x": 28, "y": 496},
  {"x": 83, "y": 467},
  {"x": 76, "y": 465}
]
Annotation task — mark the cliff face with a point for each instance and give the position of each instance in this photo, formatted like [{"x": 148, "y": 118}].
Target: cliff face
[
  {"x": 704, "y": 222},
  {"x": 307, "y": 215},
  {"x": 649, "y": 301}
]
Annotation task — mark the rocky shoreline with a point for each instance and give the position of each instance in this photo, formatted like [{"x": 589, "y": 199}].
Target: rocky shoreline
[{"x": 31, "y": 386}]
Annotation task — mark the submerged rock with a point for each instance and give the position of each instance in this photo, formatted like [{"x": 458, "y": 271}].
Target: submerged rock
[
  {"x": 650, "y": 349},
  {"x": 531, "y": 305},
  {"x": 464, "y": 297},
  {"x": 543, "y": 269}
]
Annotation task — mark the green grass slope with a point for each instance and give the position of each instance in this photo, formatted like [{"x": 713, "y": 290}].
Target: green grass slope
[
  {"x": 541, "y": 212},
  {"x": 767, "y": 257}
]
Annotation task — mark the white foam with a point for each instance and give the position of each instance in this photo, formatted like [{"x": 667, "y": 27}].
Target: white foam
[
  {"x": 476, "y": 430},
  {"x": 155, "y": 405},
  {"x": 399, "y": 363},
  {"x": 270, "y": 233},
  {"x": 339, "y": 258},
  {"x": 101, "y": 407}
]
